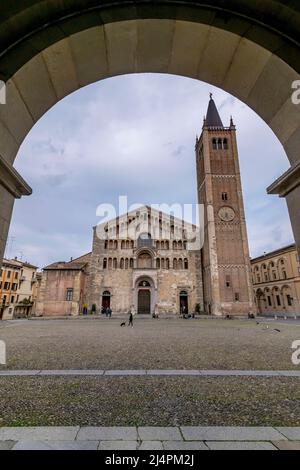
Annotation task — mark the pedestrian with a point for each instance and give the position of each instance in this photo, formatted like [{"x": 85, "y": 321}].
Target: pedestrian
[
  {"x": 109, "y": 312},
  {"x": 130, "y": 323}
]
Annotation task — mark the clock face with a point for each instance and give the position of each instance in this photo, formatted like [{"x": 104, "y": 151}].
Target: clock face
[{"x": 226, "y": 214}]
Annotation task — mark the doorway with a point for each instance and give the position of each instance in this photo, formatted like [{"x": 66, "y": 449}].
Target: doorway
[
  {"x": 184, "y": 303},
  {"x": 144, "y": 302},
  {"x": 105, "y": 300}
]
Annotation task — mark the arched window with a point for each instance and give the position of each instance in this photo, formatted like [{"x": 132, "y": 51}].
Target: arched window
[
  {"x": 186, "y": 264},
  {"x": 179, "y": 245},
  {"x": 214, "y": 144},
  {"x": 111, "y": 244},
  {"x": 225, "y": 144},
  {"x": 131, "y": 263},
  {"x": 122, "y": 244},
  {"x": 122, "y": 263},
  {"x": 115, "y": 263},
  {"x": 109, "y": 263},
  {"x": 115, "y": 245},
  {"x": 157, "y": 263},
  {"x": 127, "y": 245},
  {"x": 167, "y": 263},
  {"x": 163, "y": 263},
  {"x": 105, "y": 244},
  {"x": 157, "y": 245},
  {"x": 166, "y": 245},
  {"x": 174, "y": 263},
  {"x": 220, "y": 144},
  {"x": 180, "y": 264},
  {"x": 174, "y": 245},
  {"x": 126, "y": 263},
  {"x": 105, "y": 263}
]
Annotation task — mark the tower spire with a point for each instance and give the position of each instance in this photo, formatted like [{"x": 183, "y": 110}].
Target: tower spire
[{"x": 212, "y": 116}]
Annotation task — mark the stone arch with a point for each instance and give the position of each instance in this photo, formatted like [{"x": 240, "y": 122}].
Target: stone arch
[
  {"x": 145, "y": 283},
  {"x": 78, "y": 43}
]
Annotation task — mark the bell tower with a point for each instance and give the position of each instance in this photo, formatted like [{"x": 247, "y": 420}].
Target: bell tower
[{"x": 225, "y": 254}]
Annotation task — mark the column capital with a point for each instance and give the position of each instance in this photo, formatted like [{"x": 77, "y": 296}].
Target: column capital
[{"x": 12, "y": 181}]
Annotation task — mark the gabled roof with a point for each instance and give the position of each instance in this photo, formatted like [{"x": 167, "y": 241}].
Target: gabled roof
[{"x": 74, "y": 265}]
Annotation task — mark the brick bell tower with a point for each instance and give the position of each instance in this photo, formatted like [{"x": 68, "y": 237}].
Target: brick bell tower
[{"x": 225, "y": 254}]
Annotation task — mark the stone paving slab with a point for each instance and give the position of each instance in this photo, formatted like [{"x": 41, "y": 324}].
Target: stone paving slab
[
  {"x": 70, "y": 372},
  {"x": 292, "y": 434},
  {"x": 7, "y": 445},
  {"x": 231, "y": 434},
  {"x": 150, "y": 438},
  {"x": 156, "y": 433},
  {"x": 241, "y": 446},
  {"x": 151, "y": 445},
  {"x": 242, "y": 373},
  {"x": 183, "y": 445},
  {"x": 289, "y": 373},
  {"x": 55, "y": 433},
  {"x": 56, "y": 445},
  {"x": 151, "y": 372},
  {"x": 118, "y": 433},
  {"x": 125, "y": 372},
  {"x": 170, "y": 372},
  {"x": 118, "y": 445},
  {"x": 13, "y": 373},
  {"x": 287, "y": 445}
]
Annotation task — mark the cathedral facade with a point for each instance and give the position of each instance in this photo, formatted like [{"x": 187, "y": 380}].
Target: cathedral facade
[{"x": 147, "y": 261}]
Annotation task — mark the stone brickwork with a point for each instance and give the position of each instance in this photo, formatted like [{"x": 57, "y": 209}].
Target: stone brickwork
[
  {"x": 226, "y": 261},
  {"x": 62, "y": 289},
  {"x": 118, "y": 264}
]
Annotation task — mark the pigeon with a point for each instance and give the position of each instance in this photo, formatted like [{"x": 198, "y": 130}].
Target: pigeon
[
  {"x": 276, "y": 329},
  {"x": 123, "y": 324}
]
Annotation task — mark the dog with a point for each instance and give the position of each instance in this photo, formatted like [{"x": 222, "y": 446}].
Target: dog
[{"x": 123, "y": 324}]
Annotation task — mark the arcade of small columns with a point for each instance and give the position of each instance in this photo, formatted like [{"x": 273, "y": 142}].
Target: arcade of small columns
[{"x": 143, "y": 258}]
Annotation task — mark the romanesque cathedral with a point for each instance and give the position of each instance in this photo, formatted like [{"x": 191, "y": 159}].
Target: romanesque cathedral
[{"x": 147, "y": 261}]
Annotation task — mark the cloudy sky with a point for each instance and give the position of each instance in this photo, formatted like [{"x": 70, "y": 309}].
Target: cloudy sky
[{"x": 134, "y": 135}]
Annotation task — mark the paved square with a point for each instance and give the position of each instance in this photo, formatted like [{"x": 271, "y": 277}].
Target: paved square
[{"x": 99, "y": 374}]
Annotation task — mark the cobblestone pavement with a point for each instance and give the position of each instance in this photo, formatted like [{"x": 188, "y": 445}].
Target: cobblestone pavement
[
  {"x": 95, "y": 373},
  {"x": 151, "y": 344},
  {"x": 150, "y": 438},
  {"x": 149, "y": 401}
]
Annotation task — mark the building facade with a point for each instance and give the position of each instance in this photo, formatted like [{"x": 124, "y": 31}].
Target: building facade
[
  {"x": 17, "y": 289},
  {"x": 225, "y": 255},
  {"x": 143, "y": 262},
  {"x": 62, "y": 290},
  {"x": 276, "y": 282},
  {"x": 148, "y": 262}
]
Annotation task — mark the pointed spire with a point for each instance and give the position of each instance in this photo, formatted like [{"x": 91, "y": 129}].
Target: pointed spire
[{"x": 213, "y": 117}]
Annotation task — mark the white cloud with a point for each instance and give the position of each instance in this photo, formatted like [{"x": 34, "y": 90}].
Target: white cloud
[{"x": 135, "y": 135}]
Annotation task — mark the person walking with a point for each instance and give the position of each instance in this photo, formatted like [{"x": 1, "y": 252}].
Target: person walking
[{"x": 130, "y": 323}]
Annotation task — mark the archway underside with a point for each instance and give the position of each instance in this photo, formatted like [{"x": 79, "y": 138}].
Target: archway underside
[{"x": 203, "y": 48}]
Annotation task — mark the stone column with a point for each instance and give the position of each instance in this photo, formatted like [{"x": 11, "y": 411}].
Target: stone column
[{"x": 12, "y": 186}]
